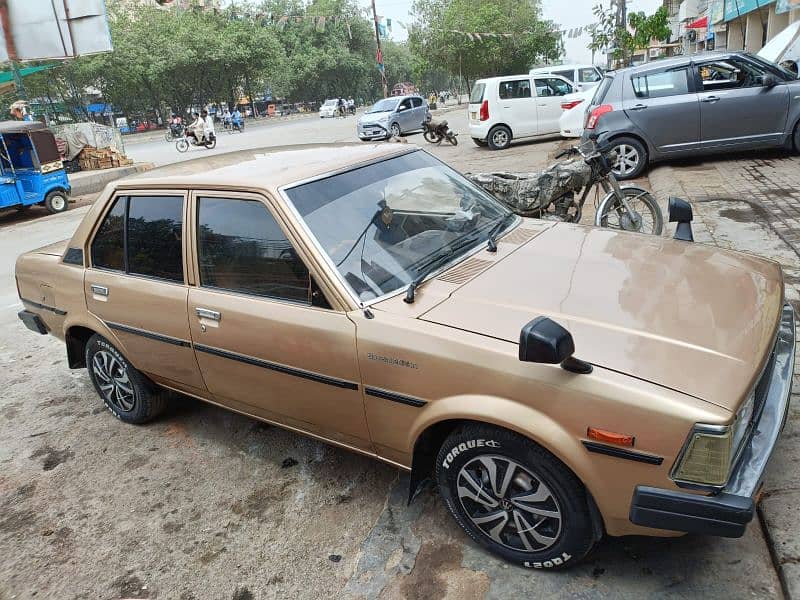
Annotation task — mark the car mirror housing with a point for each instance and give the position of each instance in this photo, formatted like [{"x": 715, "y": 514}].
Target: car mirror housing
[
  {"x": 545, "y": 341},
  {"x": 768, "y": 80},
  {"x": 680, "y": 212}
]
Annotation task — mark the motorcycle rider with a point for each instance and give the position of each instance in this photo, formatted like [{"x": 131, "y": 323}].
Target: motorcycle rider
[
  {"x": 236, "y": 118},
  {"x": 208, "y": 126},
  {"x": 195, "y": 128},
  {"x": 351, "y": 105}
]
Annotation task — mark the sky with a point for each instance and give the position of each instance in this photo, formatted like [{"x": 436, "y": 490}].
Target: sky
[{"x": 570, "y": 14}]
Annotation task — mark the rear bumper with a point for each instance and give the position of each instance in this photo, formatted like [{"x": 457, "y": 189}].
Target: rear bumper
[
  {"x": 727, "y": 513},
  {"x": 32, "y": 321}
]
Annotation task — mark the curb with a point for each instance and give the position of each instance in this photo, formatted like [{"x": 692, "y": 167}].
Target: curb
[{"x": 92, "y": 182}]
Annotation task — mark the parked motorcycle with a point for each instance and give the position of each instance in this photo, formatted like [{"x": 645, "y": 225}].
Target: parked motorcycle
[
  {"x": 174, "y": 131},
  {"x": 182, "y": 145},
  {"x": 434, "y": 132},
  {"x": 551, "y": 194}
]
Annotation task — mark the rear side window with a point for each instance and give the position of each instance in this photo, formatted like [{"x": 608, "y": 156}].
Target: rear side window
[
  {"x": 476, "y": 96},
  {"x": 241, "y": 248},
  {"x": 155, "y": 224},
  {"x": 602, "y": 90},
  {"x": 108, "y": 246},
  {"x": 659, "y": 85},
  {"x": 589, "y": 75},
  {"x": 141, "y": 235},
  {"x": 568, "y": 73},
  {"x": 518, "y": 88}
]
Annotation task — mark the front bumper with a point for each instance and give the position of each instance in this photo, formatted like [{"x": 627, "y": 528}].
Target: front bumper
[
  {"x": 727, "y": 513},
  {"x": 372, "y": 131}
]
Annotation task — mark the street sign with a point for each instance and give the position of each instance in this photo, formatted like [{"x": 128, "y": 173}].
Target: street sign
[{"x": 47, "y": 29}]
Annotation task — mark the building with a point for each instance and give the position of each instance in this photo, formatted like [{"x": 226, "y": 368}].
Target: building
[{"x": 700, "y": 25}]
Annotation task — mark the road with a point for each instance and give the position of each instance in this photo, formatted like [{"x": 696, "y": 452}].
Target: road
[{"x": 205, "y": 503}]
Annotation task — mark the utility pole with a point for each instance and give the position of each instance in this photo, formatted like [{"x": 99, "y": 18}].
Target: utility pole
[{"x": 379, "y": 55}]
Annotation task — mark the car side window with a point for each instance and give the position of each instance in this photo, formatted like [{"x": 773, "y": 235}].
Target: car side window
[
  {"x": 659, "y": 85},
  {"x": 108, "y": 246},
  {"x": 729, "y": 74},
  {"x": 552, "y": 86},
  {"x": 568, "y": 74},
  {"x": 417, "y": 102},
  {"x": 155, "y": 226},
  {"x": 589, "y": 75},
  {"x": 241, "y": 248},
  {"x": 405, "y": 103},
  {"x": 141, "y": 235},
  {"x": 517, "y": 88}
]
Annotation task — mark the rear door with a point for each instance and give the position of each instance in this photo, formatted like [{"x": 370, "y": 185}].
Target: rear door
[
  {"x": 550, "y": 91},
  {"x": 136, "y": 284},
  {"x": 736, "y": 109},
  {"x": 663, "y": 105},
  {"x": 517, "y": 106}
]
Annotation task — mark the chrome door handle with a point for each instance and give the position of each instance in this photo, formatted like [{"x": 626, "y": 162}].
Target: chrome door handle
[
  {"x": 710, "y": 99},
  {"x": 205, "y": 313},
  {"x": 638, "y": 106},
  {"x": 100, "y": 290}
]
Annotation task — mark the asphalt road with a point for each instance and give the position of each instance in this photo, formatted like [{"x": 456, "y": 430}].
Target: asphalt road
[{"x": 205, "y": 503}]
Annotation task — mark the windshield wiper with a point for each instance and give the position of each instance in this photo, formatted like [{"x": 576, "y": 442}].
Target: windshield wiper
[
  {"x": 433, "y": 263},
  {"x": 491, "y": 243}
]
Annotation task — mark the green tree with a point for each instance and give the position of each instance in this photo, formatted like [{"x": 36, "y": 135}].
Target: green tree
[{"x": 521, "y": 38}]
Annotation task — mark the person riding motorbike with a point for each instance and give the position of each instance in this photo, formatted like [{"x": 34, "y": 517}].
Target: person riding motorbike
[
  {"x": 195, "y": 128},
  {"x": 236, "y": 118},
  {"x": 208, "y": 128}
]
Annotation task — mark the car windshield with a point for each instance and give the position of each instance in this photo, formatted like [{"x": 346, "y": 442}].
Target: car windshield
[
  {"x": 383, "y": 224},
  {"x": 387, "y": 104},
  {"x": 330, "y": 103}
]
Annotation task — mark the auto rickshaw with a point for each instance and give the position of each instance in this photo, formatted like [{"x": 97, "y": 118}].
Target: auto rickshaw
[{"x": 31, "y": 171}]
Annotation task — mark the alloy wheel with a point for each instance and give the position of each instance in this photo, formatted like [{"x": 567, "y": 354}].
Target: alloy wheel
[
  {"x": 500, "y": 138},
  {"x": 627, "y": 160},
  {"x": 112, "y": 379},
  {"x": 509, "y": 503},
  {"x": 395, "y": 130}
]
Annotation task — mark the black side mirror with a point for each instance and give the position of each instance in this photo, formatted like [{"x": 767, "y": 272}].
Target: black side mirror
[
  {"x": 545, "y": 341},
  {"x": 768, "y": 80},
  {"x": 680, "y": 212}
]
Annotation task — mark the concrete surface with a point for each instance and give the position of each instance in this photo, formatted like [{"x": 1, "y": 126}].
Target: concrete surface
[{"x": 205, "y": 503}]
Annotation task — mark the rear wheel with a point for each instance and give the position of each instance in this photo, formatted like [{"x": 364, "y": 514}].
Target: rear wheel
[
  {"x": 452, "y": 138},
  {"x": 125, "y": 391},
  {"x": 514, "y": 498},
  {"x": 499, "y": 137},
  {"x": 631, "y": 158},
  {"x": 211, "y": 144},
  {"x": 431, "y": 136},
  {"x": 56, "y": 201},
  {"x": 168, "y": 135}
]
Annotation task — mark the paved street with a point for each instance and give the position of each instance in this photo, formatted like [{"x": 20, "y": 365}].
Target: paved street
[{"x": 205, "y": 503}]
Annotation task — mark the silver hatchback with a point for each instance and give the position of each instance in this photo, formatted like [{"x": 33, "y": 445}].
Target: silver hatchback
[
  {"x": 691, "y": 105},
  {"x": 393, "y": 116}
]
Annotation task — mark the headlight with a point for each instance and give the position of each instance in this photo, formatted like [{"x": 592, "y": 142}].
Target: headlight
[
  {"x": 710, "y": 449},
  {"x": 706, "y": 458}
]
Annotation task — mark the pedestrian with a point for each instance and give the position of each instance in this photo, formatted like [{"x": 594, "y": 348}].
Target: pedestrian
[{"x": 19, "y": 110}]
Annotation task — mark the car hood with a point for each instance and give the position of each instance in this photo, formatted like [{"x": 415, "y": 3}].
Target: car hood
[
  {"x": 375, "y": 117},
  {"x": 686, "y": 316}
]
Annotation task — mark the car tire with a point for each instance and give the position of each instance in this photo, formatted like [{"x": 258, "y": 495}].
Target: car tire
[
  {"x": 394, "y": 130},
  {"x": 481, "y": 143},
  {"x": 563, "y": 533},
  {"x": 499, "y": 137},
  {"x": 631, "y": 158},
  {"x": 796, "y": 138},
  {"x": 56, "y": 201},
  {"x": 128, "y": 394}
]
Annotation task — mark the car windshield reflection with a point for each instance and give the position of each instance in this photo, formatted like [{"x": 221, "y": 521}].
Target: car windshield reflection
[{"x": 383, "y": 224}]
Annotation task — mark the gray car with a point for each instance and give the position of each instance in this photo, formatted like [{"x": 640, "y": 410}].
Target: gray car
[
  {"x": 691, "y": 105},
  {"x": 393, "y": 116}
]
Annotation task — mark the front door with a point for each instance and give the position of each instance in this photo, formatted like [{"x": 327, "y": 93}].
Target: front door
[
  {"x": 136, "y": 285},
  {"x": 736, "y": 109},
  {"x": 405, "y": 115},
  {"x": 517, "y": 106},
  {"x": 549, "y": 93},
  {"x": 665, "y": 108},
  {"x": 264, "y": 336}
]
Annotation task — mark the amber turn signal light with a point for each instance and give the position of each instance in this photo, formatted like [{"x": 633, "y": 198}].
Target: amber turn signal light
[{"x": 609, "y": 437}]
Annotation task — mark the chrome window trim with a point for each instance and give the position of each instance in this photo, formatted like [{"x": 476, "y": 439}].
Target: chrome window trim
[{"x": 358, "y": 303}]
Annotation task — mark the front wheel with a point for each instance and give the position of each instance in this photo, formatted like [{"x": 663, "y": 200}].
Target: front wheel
[
  {"x": 646, "y": 216},
  {"x": 182, "y": 145},
  {"x": 125, "y": 391},
  {"x": 432, "y": 137},
  {"x": 514, "y": 498},
  {"x": 452, "y": 138},
  {"x": 56, "y": 201},
  {"x": 395, "y": 130},
  {"x": 211, "y": 144},
  {"x": 168, "y": 135}
]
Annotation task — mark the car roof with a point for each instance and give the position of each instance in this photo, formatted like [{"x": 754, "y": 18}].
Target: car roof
[
  {"x": 550, "y": 68},
  {"x": 676, "y": 61},
  {"x": 276, "y": 169},
  {"x": 499, "y": 77}
]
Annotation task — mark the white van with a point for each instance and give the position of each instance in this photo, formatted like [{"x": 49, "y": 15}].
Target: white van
[
  {"x": 514, "y": 107},
  {"x": 584, "y": 77}
]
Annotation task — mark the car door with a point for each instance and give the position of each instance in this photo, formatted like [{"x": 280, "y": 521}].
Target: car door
[
  {"x": 517, "y": 106},
  {"x": 136, "y": 284},
  {"x": 736, "y": 109},
  {"x": 549, "y": 93},
  {"x": 419, "y": 112},
  {"x": 405, "y": 115},
  {"x": 266, "y": 340},
  {"x": 663, "y": 105}
]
